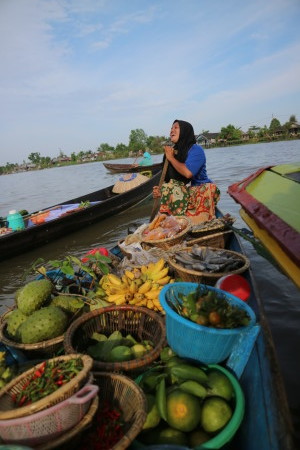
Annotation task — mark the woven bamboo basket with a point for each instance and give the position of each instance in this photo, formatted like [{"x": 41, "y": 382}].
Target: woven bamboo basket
[
  {"x": 211, "y": 227},
  {"x": 165, "y": 244},
  {"x": 208, "y": 278},
  {"x": 74, "y": 433},
  {"x": 123, "y": 393},
  {"x": 49, "y": 347},
  {"x": 218, "y": 240},
  {"x": 8, "y": 410},
  {"x": 141, "y": 323}
]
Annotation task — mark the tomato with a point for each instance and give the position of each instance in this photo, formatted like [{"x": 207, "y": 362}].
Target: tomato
[
  {"x": 214, "y": 318},
  {"x": 202, "y": 320}
]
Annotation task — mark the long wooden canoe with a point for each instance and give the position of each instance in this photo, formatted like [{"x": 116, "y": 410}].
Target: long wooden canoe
[
  {"x": 269, "y": 199},
  {"x": 50, "y": 223},
  {"x": 123, "y": 168}
]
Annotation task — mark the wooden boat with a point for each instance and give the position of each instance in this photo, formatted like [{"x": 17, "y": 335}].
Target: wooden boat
[
  {"x": 267, "y": 423},
  {"x": 269, "y": 207},
  {"x": 123, "y": 168},
  {"x": 50, "y": 223}
]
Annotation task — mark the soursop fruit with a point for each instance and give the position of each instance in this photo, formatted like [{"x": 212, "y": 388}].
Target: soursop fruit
[
  {"x": 67, "y": 303},
  {"x": 46, "y": 323},
  {"x": 33, "y": 296},
  {"x": 14, "y": 320}
]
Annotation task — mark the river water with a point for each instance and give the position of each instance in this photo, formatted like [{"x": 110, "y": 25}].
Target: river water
[{"x": 37, "y": 190}]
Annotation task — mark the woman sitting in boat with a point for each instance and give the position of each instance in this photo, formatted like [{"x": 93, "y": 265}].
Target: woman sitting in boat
[
  {"x": 147, "y": 160},
  {"x": 187, "y": 190}
]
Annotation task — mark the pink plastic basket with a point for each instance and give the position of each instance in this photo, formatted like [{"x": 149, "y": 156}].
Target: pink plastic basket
[{"x": 48, "y": 424}]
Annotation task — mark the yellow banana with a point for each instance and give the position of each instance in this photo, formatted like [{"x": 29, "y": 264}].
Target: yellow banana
[
  {"x": 145, "y": 287},
  {"x": 156, "y": 303},
  {"x": 133, "y": 288},
  {"x": 103, "y": 280},
  {"x": 142, "y": 302},
  {"x": 158, "y": 266},
  {"x": 152, "y": 294},
  {"x": 113, "y": 279},
  {"x": 128, "y": 296},
  {"x": 120, "y": 301},
  {"x": 139, "y": 296},
  {"x": 150, "y": 304},
  {"x": 129, "y": 274},
  {"x": 164, "y": 280},
  {"x": 144, "y": 270},
  {"x": 126, "y": 280},
  {"x": 134, "y": 301},
  {"x": 150, "y": 267},
  {"x": 114, "y": 289},
  {"x": 137, "y": 272},
  {"x": 113, "y": 298},
  {"x": 161, "y": 274}
]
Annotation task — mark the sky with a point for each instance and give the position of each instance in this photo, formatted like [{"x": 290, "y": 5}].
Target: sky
[{"x": 79, "y": 73}]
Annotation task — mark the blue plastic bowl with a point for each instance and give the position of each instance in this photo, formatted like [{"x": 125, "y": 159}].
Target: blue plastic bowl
[{"x": 188, "y": 339}]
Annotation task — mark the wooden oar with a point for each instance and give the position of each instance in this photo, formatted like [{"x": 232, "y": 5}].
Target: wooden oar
[{"x": 157, "y": 200}]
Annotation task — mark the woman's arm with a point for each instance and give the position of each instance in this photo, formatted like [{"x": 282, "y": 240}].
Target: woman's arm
[{"x": 180, "y": 167}]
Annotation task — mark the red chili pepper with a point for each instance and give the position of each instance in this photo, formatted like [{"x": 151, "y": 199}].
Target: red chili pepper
[{"x": 22, "y": 401}]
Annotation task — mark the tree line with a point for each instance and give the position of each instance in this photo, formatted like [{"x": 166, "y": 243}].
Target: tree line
[{"x": 139, "y": 140}]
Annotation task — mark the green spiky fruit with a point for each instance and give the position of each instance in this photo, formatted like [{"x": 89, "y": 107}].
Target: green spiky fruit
[
  {"x": 67, "y": 303},
  {"x": 14, "y": 320},
  {"x": 46, "y": 323},
  {"x": 33, "y": 296}
]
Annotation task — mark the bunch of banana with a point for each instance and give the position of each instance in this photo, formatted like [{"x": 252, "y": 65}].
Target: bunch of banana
[
  {"x": 6, "y": 372},
  {"x": 139, "y": 286}
]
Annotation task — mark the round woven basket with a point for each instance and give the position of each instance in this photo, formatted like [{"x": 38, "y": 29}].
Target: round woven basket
[
  {"x": 218, "y": 240},
  {"x": 8, "y": 410},
  {"x": 169, "y": 242},
  {"x": 209, "y": 278},
  {"x": 141, "y": 323},
  {"x": 122, "y": 392},
  {"x": 48, "y": 347}
]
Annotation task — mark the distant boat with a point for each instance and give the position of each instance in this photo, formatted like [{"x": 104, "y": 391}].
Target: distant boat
[
  {"x": 122, "y": 168},
  {"x": 53, "y": 222},
  {"x": 270, "y": 207}
]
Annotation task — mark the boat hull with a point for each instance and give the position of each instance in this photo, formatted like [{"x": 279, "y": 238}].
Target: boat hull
[
  {"x": 268, "y": 199},
  {"x": 124, "y": 168}
]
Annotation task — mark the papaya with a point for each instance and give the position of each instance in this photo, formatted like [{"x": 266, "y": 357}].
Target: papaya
[{"x": 183, "y": 411}]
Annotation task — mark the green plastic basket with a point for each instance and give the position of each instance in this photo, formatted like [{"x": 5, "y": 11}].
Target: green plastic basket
[{"x": 227, "y": 433}]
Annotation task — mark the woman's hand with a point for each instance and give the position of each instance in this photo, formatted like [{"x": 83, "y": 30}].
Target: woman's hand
[
  {"x": 169, "y": 152},
  {"x": 156, "y": 192}
]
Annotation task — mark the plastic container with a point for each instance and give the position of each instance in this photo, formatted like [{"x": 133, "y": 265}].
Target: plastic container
[
  {"x": 188, "y": 339},
  {"x": 38, "y": 428},
  {"x": 15, "y": 220},
  {"x": 224, "y": 436},
  {"x": 236, "y": 285}
]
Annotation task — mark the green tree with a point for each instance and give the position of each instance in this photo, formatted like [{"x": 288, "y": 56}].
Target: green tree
[
  {"x": 137, "y": 140},
  {"x": 73, "y": 156},
  {"x": 34, "y": 157},
  {"x": 105, "y": 148},
  {"x": 230, "y": 133},
  {"x": 155, "y": 144},
  {"x": 121, "y": 150},
  {"x": 274, "y": 124}
]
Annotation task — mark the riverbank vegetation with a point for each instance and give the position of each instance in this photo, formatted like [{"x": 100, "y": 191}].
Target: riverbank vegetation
[{"x": 139, "y": 140}]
